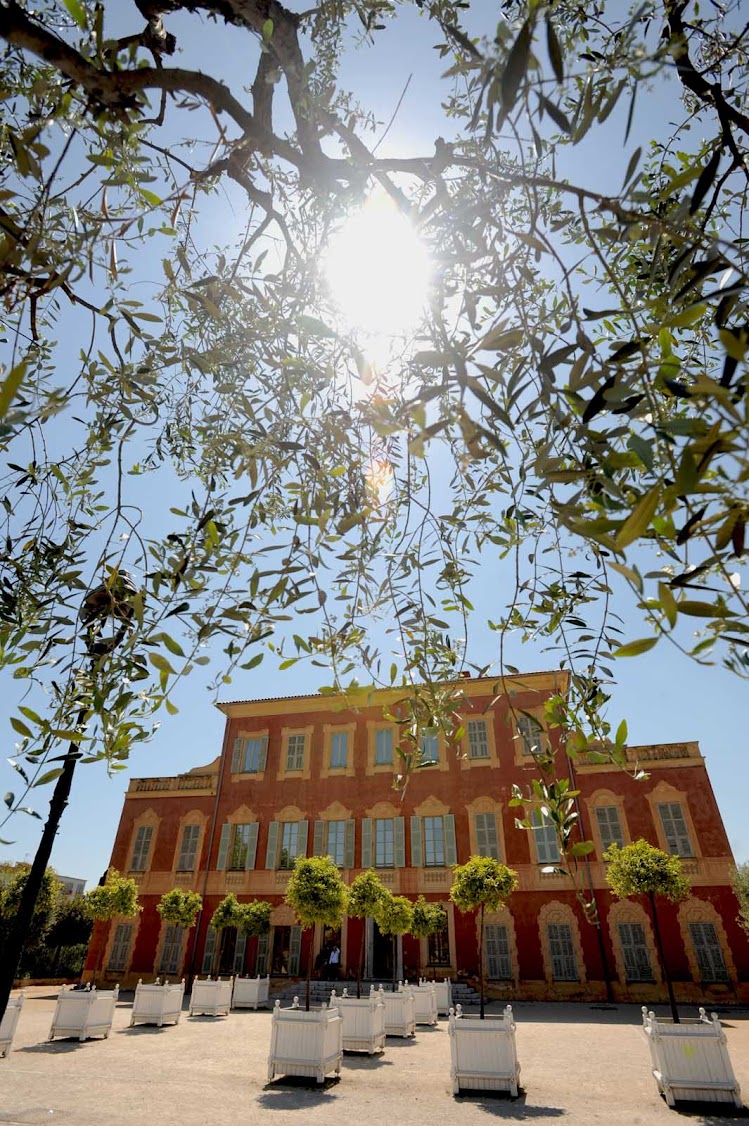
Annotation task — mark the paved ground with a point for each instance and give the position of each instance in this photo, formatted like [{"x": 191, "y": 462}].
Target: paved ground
[{"x": 580, "y": 1063}]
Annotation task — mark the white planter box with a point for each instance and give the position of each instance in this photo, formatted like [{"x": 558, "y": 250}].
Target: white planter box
[
  {"x": 483, "y": 1056},
  {"x": 690, "y": 1060},
  {"x": 425, "y": 1003},
  {"x": 8, "y": 1024},
  {"x": 157, "y": 1004},
  {"x": 400, "y": 1012},
  {"x": 443, "y": 992},
  {"x": 211, "y": 997},
  {"x": 309, "y": 1044},
  {"x": 84, "y": 1013},
  {"x": 363, "y": 1020},
  {"x": 250, "y": 992}
]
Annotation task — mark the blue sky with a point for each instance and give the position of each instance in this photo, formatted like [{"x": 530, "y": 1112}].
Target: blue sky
[{"x": 663, "y": 695}]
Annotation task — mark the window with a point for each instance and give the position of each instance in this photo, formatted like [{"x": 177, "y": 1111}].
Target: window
[
  {"x": 384, "y": 746},
  {"x": 439, "y": 948},
  {"x": 240, "y": 847},
  {"x": 289, "y": 844},
  {"x": 609, "y": 826},
  {"x": 487, "y": 843},
  {"x": 338, "y": 748},
  {"x": 336, "y": 842},
  {"x": 497, "y": 947},
  {"x": 141, "y": 848},
  {"x": 336, "y": 839},
  {"x": 478, "y": 738},
  {"x": 250, "y": 755},
  {"x": 237, "y": 847},
  {"x": 675, "y": 828},
  {"x": 547, "y": 847},
  {"x": 188, "y": 849},
  {"x": 286, "y": 841},
  {"x": 171, "y": 949},
  {"x": 709, "y": 953},
  {"x": 295, "y": 752},
  {"x": 429, "y": 746},
  {"x": 384, "y": 843},
  {"x": 563, "y": 961},
  {"x": 434, "y": 842},
  {"x": 120, "y": 947},
  {"x": 635, "y": 951},
  {"x": 531, "y": 734}
]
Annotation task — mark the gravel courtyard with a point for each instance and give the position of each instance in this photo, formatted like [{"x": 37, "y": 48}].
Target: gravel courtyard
[{"x": 580, "y": 1063}]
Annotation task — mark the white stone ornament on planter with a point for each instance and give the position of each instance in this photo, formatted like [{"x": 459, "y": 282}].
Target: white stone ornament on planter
[
  {"x": 157, "y": 1004},
  {"x": 363, "y": 1020},
  {"x": 211, "y": 996},
  {"x": 84, "y": 1012},
  {"x": 305, "y": 1043},
  {"x": 443, "y": 992},
  {"x": 8, "y": 1024},
  {"x": 250, "y": 992},
  {"x": 425, "y": 1003},
  {"x": 483, "y": 1055},
  {"x": 690, "y": 1059},
  {"x": 400, "y": 1012}
]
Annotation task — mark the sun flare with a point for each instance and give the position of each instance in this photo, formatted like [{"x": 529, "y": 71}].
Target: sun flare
[{"x": 378, "y": 270}]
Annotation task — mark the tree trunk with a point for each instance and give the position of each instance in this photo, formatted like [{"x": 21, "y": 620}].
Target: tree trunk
[
  {"x": 361, "y": 958},
  {"x": 664, "y": 967},
  {"x": 481, "y": 960},
  {"x": 395, "y": 963},
  {"x": 21, "y": 925},
  {"x": 309, "y": 968}
]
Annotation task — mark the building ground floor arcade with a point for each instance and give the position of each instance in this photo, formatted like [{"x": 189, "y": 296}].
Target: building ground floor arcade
[{"x": 541, "y": 947}]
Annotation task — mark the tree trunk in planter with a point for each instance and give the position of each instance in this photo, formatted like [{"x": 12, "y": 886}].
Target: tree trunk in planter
[
  {"x": 309, "y": 970},
  {"x": 661, "y": 955},
  {"x": 361, "y": 958},
  {"x": 481, "y": 961}
]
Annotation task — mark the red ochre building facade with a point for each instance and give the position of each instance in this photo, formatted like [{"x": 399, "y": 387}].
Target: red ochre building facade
[{"x": 309, "y": 775}]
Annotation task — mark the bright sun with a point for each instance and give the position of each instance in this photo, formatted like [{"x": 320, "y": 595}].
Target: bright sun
[{"x": 378, "y": 270}]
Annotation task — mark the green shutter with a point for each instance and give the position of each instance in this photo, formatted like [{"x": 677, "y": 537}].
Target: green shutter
[
  {"x": 318, "y": 839},
  {"x": 261, "y": 961},
  {"x": 301, "y": 848},
  {"x": 451, "y": 848},
  {"x": 252, "y": 845},
  {"x": 400, "y": 841},
  {"x": 366, "y": 842},
  {"x": 223, "y": 847},
  {"x": 417, "y": 850},
  {"x": 349, "y": 844},
  {"x": 295, "y": 950},
  {"x": 209, "y": 950},
  {"x": 239, "y": 952},
  {"x": 236, "y": 758},
  {"x": 271, "y": 853},
  {"x": 262, "y": 758}
]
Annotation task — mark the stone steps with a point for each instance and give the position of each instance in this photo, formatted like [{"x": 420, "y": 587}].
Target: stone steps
[{"x": 320, "y": 991}]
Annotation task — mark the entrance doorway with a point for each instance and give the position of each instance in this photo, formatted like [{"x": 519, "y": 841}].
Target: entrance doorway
[
  {"x": 285, "y": 951},
  {"x": 379, "y": 960}
]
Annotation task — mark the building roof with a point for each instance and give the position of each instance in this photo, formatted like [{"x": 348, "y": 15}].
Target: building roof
[{"x": 370, "y": 689}]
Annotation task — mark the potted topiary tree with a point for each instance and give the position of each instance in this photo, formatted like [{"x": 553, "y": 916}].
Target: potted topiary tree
[
  {"x": 304, "y": 1042},
  {"x": 689, "y": 1058},
  {"x": 428, "y": 919},
  {"x": 483, "y": 1052},
  {"x": 159, "y": 1002},
  {"x": 254, "y": 921},
  {"x": 363, "y": 1017},
  {"x": 394, "y": 916},
  {"x": 364, "y": 895},
  {"x": 212, "y": 996},
  {"x": 117, "y": 897}
]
